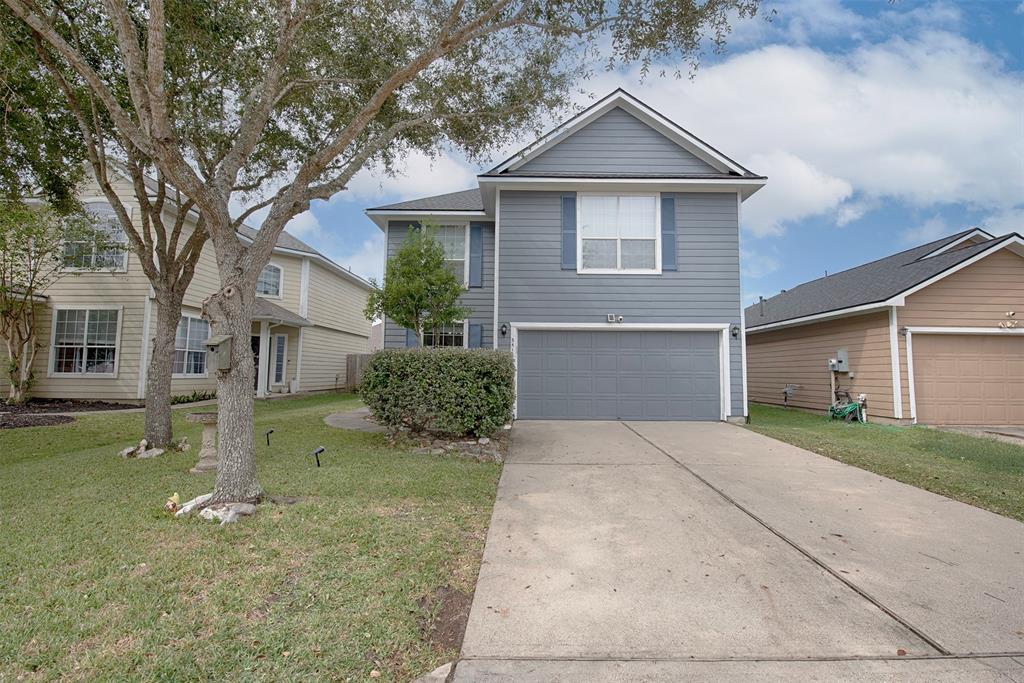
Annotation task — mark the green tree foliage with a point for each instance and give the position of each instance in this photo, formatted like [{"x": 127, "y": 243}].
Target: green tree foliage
[
  {"x": 248, "y": 107},
  {"x": 42, "y": 153},
  {"x": 419, "y": 292},
  {"x": 32, "y": 258}
]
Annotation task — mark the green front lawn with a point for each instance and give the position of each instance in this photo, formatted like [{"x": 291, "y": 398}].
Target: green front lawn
[
  {"x": 979, "y": 471},
  {"x": 97, "y": 582}
]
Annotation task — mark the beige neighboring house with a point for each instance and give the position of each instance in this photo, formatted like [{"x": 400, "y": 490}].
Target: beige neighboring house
[
  {"x": 934, "y": 334},
  {"x": 96, "y": 326}
]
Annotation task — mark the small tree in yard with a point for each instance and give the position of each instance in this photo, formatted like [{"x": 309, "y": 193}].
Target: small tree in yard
[
  {"x": 247, "y": 106},
  {"x": 32, "y": 257},
  {"x": 420, "y": 292}
]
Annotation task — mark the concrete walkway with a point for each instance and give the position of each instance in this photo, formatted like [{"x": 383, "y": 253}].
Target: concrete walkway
[{"x": 703, "y": 551}]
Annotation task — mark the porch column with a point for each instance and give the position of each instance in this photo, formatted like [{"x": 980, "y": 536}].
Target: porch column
[{"x": 264, "y": 357}]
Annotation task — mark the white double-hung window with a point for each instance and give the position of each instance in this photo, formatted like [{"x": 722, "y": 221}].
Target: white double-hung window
[
  {"x": 190, "y": 346},
  {"x": 85, "y": 341},
  {"x": 269, "y": 282},
  {"x": 452, "y": 239},
  {"x": 618, "y": 233}
]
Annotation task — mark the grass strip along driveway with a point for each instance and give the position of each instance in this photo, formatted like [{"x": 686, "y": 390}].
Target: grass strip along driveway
[
  {"x": 983, "y": 472},
  {"x": 99, "y": 583}
]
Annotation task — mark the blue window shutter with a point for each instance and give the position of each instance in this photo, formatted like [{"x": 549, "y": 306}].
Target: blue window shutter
[
  {"x": 476, "y": 255},
  {"x": 411, "y": 341},
  {"x": 476, "y": 336},
  {"x": 569, "y": 231},
  {"x": 668, "y": 232}
]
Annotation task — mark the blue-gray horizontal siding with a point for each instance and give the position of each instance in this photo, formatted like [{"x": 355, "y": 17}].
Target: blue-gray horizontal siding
[
  {"x": 617, "y": 142},
  {"x": 705, "y": 289},
  {"x": 480, "y": 300}
]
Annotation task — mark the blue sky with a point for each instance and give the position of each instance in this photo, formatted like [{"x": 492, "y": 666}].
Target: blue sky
[{"x": 879, "y": 125}]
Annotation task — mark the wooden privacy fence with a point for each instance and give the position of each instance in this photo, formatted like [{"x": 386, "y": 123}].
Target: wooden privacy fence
[{"x": 355, "y": 366}]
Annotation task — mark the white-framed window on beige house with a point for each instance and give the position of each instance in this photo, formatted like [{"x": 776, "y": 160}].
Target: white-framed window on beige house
[
  {"x": 108, "y": 252},
  {"x": 618, "y": 233},
  {"x": 280, "y": 356},
  {"x": 190, "y": 348},
  {"x": 85, "y": 341},
  {"x": 446, "y": 335},
  {"x": 454, "y": 239},
  {"x": 269, "y": 284}
]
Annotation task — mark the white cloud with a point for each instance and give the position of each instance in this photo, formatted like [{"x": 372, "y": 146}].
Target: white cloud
[
  {"x": 367, "y": 260},
  {"x": 758, "y": 263},
  {"x": 799, "y": 190},
  {"x": 928, "y": 120},
  {"x": 422, "y": 176},
  {"x": 929, "y": 231},
  {"x": 799, "y": 22},
  {"x": 1003, "y": 222},
  {"x": 1019, "y": 9},
  {"x": 304, "y": 226}
]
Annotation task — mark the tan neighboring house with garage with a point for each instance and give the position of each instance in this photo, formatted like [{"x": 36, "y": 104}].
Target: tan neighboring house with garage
[
  {"x": 96, "y": 325},
  {"x": 933, "y": 335}
]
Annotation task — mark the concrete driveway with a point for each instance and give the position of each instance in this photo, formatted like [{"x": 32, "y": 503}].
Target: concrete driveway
[{"x": 703, "y": 551}]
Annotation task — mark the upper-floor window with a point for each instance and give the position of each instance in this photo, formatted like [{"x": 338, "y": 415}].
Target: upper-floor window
[
  {"x": 85, "y": 341},
  {"x": 618, "y": 233},
  {"x": 107, "y": 251},
  {"x": 269, "y": 282},
  {"x": 452, "y": 239},
  {"x": 189, "y": 346}
]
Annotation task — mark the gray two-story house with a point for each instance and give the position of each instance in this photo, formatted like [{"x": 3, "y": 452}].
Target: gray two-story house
[{"x": 605, "y": 257}]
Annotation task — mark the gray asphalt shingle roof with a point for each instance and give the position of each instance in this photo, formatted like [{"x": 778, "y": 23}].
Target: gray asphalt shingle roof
[
  {"x": 285, "y": 240},
  {"x": 872, "y": 282},
  {"x": 466, "y": 200},
  {"x": 268, "y": 310}
]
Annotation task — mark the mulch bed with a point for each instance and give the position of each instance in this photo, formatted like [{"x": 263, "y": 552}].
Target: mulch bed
[
  {"x": 443, "y": 617},
  {"x": 48, "y": 405},
  {"x": 15, "y": 420}
]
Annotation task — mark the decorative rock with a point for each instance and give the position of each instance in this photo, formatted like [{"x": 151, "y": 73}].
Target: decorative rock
[
  {"x": 437, "y": 451},
  {"x": 128, "y": 452},
  {"x": 228, "y": 513},
  {"x": 188, "y": 507},
  {"x": 150, "y": 453},
  {"x": 483, "y": 441},
  {"x": 507, "y": 427}
]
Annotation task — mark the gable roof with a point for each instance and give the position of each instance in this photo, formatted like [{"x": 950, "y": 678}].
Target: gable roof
[
  {"x": 464, "y": 200},
  {"x": 879, "y": 283},
  {"x": 631, "y": 105}
]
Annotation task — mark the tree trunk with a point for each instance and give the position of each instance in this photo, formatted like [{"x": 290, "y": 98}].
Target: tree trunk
[
  {"x": 19, "y": 369},
  {"x": 159, "y": 432},
  {"x": 231, "y": 313}
]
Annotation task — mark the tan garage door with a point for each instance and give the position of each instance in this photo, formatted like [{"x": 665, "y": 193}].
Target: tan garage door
[{"x": 969, "y": 379}]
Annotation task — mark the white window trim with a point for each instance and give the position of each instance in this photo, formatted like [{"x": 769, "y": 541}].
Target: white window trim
[
  {"x": 284, "y": 365},
  {"x": 724, "y": 363},
  {"x": 127, "y": 248},
  {"x": 206, "y": 368},
  {"x": 465, "y": 337},
  {"x": 280, "y": 289},
  {"x": 617, "y": 271},
  {"x": 51, "y": 373}
]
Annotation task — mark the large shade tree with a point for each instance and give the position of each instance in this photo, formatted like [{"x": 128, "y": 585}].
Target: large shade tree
[
  {"x": 53, "y": 128},
  {"x": 302, "y": 94}
]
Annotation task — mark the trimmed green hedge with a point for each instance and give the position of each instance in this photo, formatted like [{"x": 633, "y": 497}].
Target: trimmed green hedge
[{"x": 447, "y": 391}]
